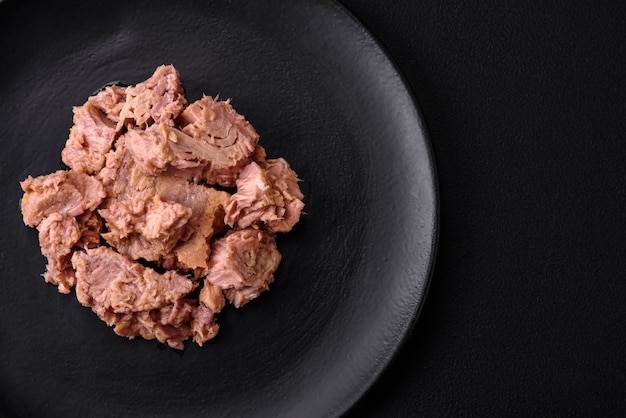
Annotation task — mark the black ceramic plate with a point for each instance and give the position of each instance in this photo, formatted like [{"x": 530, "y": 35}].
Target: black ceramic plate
[{"x": 321, "y": 93}]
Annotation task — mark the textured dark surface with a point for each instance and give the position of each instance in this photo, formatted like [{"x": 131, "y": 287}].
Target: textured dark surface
[
  {"x": 525, "y": 103},
  {"x": 323, "y": 95}
]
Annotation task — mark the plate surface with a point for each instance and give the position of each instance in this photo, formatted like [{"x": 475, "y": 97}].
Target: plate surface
[{"x": 323, "y": 94}]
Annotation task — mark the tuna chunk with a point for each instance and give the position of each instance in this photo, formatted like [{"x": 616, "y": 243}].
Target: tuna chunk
[
  {"x": 123, "y": 180},
  {"x": 216, "y": 122},
  {"x": 57, "y": 236},
  {"x": 91, "y": 137},
  {"x": 159, "y": 99},
  {"x": 171, "y": 324},
  {"x": 267, "y": 197},
  {"x": 64, "y": 192},
  {"x": 230, "y": 138},
  {"x": 243, "y": 263},
  {"x": 212, "y": 297},
  {"x": 136, "y": 300},
  {"x": 193, "y": 254},
  {"x": 61, "y": 275},
  {"x": 285, "y": 180},
  {"x": 108, "y": 281},
  {"x": 110, "y": 100},
  {"x": 203, "y": 326},
  {"x": 61, "y": 206},
  {"x": 145, "y": 228},
  {"x": 163, "y": 149}
]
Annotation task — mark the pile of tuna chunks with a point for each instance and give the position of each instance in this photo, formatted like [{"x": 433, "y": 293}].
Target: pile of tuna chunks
[{"x": 167, "y": 210}]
